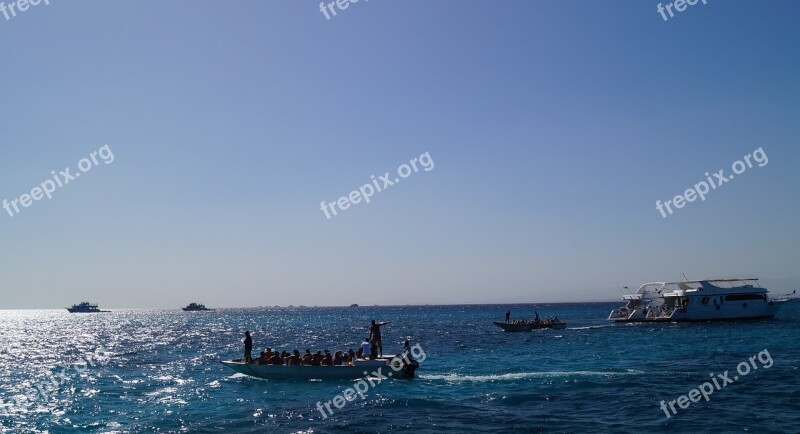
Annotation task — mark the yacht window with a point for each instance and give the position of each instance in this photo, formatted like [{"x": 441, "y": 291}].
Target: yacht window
[{"x": 742, "y": 297}]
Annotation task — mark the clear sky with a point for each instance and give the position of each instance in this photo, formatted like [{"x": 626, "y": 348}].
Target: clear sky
[{"x": 554, "y": 126}]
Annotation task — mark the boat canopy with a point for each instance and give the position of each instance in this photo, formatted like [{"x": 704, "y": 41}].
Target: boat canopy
[{"x": 690, "y": 284}]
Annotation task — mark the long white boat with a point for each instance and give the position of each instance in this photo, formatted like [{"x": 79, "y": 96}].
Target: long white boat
[
  {"x": 387, "y": 367},
  {"x": 699, "y": 300}
]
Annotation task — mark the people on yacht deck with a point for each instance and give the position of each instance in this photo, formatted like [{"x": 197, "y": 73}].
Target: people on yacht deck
[
  {"x": 317, "y": 359},
  {"x": 338, "y": 358},
  {"x": 263, "y": 359},
  {"x": 508, "y": 315},
  {"x": 248, "y": 347},
  {"x": 375, "y": 334},
  {"x": 308, "y": 358}
]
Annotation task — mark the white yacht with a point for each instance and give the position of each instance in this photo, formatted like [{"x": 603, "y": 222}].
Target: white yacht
[{"x": 699, "y": 300}]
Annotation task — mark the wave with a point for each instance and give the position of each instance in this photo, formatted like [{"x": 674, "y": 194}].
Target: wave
[
  {"x": 590, "y": 327},
  {"x": 459, "y": 378}
]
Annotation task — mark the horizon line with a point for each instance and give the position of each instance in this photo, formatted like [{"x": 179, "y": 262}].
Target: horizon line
[{"x": 332, "y": 306}]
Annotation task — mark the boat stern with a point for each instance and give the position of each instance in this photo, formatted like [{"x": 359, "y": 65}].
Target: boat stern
[{"x": 238, "y": 366}]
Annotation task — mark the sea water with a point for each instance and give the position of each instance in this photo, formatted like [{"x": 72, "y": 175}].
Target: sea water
[{"x": 144, "y": 371}]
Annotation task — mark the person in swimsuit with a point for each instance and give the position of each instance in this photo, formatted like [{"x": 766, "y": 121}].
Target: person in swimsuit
[
  {"x": 375, "y": 334},
  {"x": 248, "y": 347}
]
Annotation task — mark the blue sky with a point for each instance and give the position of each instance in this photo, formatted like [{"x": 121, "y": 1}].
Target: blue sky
[{"x": 555, "y": 126}]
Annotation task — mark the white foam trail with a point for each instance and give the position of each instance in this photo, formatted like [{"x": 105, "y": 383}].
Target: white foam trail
[
  {"x": 589, "y": 327},
  {"x": 457, "y": 378}
]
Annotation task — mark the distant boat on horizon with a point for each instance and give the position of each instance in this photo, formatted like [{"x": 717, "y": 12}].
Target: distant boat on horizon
[
  {"x": 196, "y": 307},
  {"x": 353, "y": 305},
  {"x": 85, "y": 307}
]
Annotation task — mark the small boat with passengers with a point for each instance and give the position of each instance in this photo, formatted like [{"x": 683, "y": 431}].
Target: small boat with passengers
[
  {"x": 536, "y": 324},
  {"x": 526, "y": 326},
  {"x": 390, "y": 367},
  {"x": 699, "y": 300}
]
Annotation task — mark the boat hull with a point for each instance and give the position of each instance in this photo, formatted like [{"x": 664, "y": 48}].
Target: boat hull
[
  {"x": 366, "y": 368},
  {"x": 710, "y": 312},
  {"x": 510, "y": 327}
]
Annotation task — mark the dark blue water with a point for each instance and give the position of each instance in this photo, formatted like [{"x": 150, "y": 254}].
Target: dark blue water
[{"x": 158, "y": 371}]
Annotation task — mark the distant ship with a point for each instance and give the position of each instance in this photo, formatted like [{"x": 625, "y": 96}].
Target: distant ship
[
  {"x": 353, "y": 305},
  {"x": 194, "y": 307},
  {"x": 85, "y": 307}
]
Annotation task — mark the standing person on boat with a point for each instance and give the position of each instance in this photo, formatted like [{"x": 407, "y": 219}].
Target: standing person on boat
[
  {"x": 508, "y": 315},
  {"x": 407, "y": 354},
  {"x": 248, "y": 347},
  {"x": 373, "y": 350},
  {"x": 375, "y": 334}
]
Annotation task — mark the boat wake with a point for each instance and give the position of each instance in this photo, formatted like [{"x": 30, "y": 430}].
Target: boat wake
[
  {"x": 459, "y": 378},
  {"x": 591, "y": 327}
]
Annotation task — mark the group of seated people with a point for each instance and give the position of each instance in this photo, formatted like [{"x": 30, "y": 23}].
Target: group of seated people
[
  {"x": 538, "y": 321},
  {"x": 338, "y": 358}
]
